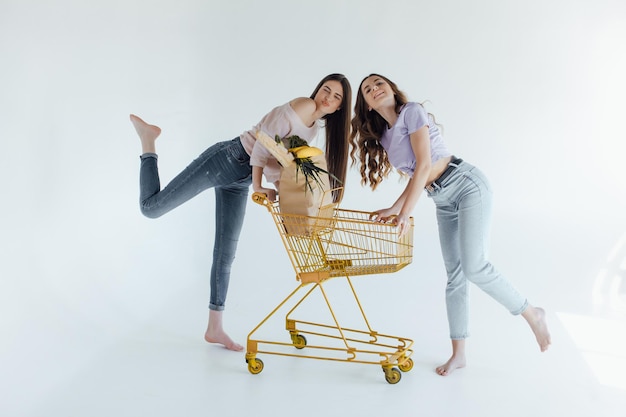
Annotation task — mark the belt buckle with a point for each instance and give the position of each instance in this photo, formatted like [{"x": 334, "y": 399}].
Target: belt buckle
[{"x": 432, "y": 187}]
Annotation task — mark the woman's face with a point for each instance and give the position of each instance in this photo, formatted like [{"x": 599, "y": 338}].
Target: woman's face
[
  {"x": 329, "y": 97},
  {"x": 377, "y": 92}
]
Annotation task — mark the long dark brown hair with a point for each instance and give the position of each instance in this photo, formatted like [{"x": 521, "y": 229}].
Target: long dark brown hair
[
  {"x": 367, "y": 128},
  {"x": 337, "y": 135}
]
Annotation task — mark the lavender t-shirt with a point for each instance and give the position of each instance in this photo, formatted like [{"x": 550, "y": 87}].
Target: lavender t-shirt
[{"x": 397, "y": 139}]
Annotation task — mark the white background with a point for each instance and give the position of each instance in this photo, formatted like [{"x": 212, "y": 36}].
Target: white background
[{"x": 101, "y": 309}]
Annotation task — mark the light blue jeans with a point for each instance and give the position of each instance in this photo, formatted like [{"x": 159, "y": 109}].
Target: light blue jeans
[
  {"x": 224, "y": 166},
  {"x": 464, "y": 218}
]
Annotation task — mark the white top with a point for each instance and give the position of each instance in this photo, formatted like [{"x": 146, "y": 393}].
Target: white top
[{"x": 282, "y": 121}]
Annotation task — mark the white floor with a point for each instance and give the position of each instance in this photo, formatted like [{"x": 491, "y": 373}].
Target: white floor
[{"x": 162, "y": 367}]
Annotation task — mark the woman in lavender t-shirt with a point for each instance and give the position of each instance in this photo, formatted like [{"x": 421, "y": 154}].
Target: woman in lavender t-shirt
[{"x": 389, "y": 131}]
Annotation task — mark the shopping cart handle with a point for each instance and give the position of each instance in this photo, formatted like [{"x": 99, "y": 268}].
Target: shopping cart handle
[{"x": 260, "y": 198}]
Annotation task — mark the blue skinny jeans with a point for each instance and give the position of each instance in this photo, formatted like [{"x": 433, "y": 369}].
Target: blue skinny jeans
[
  {"x": 225, "y": 167},
  {"x": 464, "y": 203}
]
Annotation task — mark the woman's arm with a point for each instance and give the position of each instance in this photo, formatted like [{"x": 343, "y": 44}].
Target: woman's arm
[
  {"x": 420, "y": 143},
  {"x": 404, "y": 205},
  {"x": 257, "y": 184}
]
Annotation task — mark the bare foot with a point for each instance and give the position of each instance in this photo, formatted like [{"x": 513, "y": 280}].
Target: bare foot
[
  {"x": 455, "y": 362},
  {"x": 216, "y": 334},
  {"x": 223, "y": 339},
  {"x": 536, "y": 318},
  {"x": 147, "y": 133}
]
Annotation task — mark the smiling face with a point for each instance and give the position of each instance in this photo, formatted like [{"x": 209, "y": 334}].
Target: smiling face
[
  {"x": 329, "y": 96},
  {"x": 377, "y": 92}
]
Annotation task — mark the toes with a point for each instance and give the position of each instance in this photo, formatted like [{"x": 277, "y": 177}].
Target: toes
[{"x": 231, "y": 345}]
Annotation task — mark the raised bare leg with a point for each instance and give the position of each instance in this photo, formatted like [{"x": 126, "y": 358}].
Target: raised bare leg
[
  {"x": 457, "y": 360},
  {"x": 147, "y": 134},
  {"x": 536, "y": 318},
  {"x": 215, "y": 332}
]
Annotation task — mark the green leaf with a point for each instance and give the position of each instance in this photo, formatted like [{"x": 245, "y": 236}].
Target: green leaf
[{"x": 295, "y": 141}]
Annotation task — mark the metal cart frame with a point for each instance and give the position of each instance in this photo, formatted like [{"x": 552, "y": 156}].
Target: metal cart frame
[{"x": 336, "y": 243}]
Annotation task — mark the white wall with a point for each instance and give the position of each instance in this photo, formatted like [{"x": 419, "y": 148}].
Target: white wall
[{"x": 532, "y": 92}]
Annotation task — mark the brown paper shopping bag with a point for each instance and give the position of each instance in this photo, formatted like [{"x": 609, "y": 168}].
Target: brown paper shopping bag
[{"x": 302, "y": 202}]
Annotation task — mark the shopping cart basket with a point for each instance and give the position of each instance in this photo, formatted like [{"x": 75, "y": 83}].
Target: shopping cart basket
[{"x": 336, "y": 243}]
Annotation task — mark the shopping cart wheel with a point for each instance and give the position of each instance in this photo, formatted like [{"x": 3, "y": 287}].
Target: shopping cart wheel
[
  {"x": 407, "y": 365},
  {"x": 255, "y": 366},
  {"x": 392, "y": 375},
  {"x": 299, "y": 341}
]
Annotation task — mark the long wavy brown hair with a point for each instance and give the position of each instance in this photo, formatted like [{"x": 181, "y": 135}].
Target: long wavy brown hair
[
  {"x": 337, "y": 135},
  {"x": 367, "y": 128}
]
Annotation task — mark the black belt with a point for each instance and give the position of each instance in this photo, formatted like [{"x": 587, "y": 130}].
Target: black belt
[{"x": 452, "y": 165}]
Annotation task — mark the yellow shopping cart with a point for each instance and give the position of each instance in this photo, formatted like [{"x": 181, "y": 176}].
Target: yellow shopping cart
[{"x": 336, "y": 243}]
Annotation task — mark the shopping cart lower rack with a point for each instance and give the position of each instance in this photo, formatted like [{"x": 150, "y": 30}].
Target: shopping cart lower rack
[{"x": 337, "y": 243}]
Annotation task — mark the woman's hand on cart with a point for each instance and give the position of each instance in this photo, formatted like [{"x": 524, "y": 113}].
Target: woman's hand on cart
[
  {"x": 389, "y": 215},
  {"x": 383, "y": 216},
  {"x": 403, "y": 222},
  {"x": 270, "y": 193}
]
